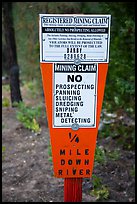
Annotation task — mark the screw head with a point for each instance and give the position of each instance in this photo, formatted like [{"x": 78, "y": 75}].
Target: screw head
[
  {"x": 77, "y": 61},
  {"x": 75, "y": 126}
]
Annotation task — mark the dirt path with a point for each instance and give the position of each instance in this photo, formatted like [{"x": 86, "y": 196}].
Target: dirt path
[{"x": 27, "y": 174}]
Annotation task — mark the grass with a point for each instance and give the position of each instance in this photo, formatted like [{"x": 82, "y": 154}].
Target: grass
[
  {"x": 5, "y": 102},
  {"x": 28, "y": 116},
  {"x": 132, "y": 171},
  {"x": 6, "y": 87},
  {"x": 32, "y": 88},
  {"x": 113, "y": 155},
  {"x": 100, "y": 191},
  {"x": 49, "y": 153},
  {"x": 3, "y": 151},
  {"x": 100, "y": 156},
  {"x": 101, "y": 194}
]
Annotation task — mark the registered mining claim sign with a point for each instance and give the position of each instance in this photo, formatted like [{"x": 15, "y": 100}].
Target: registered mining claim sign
[
  {"x": 70, "y": 37},
  {"x": 74, "y": 45},
  {"x": 75, "y": 95}
]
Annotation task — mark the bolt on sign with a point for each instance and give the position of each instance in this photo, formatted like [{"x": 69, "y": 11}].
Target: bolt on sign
[{"x": 74, "y": 57}]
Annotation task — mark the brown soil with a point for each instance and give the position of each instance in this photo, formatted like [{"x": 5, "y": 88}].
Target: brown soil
[{"x": 27, "y": 173}]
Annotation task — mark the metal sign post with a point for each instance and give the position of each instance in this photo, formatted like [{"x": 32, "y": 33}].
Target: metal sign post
[{"x": 74, "y": 56}]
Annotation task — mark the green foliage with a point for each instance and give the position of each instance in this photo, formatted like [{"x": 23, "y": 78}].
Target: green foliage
[
  {"x": 100, "y": 157},
  {"x": 26, "y": 24},
  {"x": 5, "y": 98},
  {"x": 6, "y": 87},
  {"x": 124, "y": 134},
  {"x": 63, "y": 7},
  {"x": 120, "y": 83},
  {"x": 26, "y": 33},
  {"x": 100, "y": 194},
  {"x": 91, "y": 8},
  {"x": 3, "y": 151},
  {"x": 132, "y": 171},
  {"x": 29, "y": 117},
  {"x": 100, "y": 191},
  {"x": 120, "y": 88},
  {"x": 113, "y": 155},
  {"x": 5, "y": 102},
  {"x": 96, "y": 181},
  {"x": 15, "y": 104},
  {"x": 32, "y": 87},
  {"x": 50, "y": 153}
]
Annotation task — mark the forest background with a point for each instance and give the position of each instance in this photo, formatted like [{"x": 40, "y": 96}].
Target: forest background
[
  {"x": 117, "y": 122},
  {"x": 120, "y": 85}
]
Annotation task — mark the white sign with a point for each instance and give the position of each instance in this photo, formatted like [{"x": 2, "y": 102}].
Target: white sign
[
  {"x": 71, "y": 37},
  {"x": 75, "y": 94}
]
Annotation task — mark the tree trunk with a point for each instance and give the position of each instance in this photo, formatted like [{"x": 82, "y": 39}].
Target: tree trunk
[{"x": 11, "y": 53}]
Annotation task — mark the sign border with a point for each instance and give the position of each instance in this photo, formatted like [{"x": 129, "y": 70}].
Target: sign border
[
  {"x": 95, "y": 95},
  {"x": 69, "y": 15}
]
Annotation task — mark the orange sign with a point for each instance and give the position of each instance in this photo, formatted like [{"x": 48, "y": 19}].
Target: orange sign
[{"x": 73, "y": 88}]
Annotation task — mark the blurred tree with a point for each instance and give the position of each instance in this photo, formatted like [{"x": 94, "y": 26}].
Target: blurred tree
[{"x": 11, "y": 57}]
